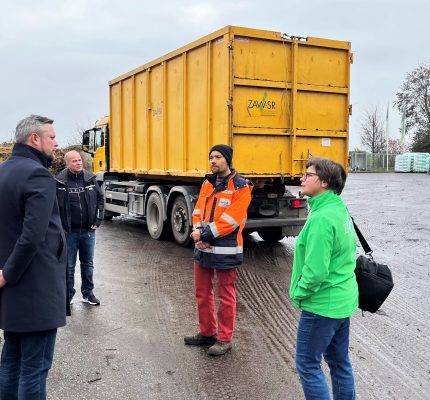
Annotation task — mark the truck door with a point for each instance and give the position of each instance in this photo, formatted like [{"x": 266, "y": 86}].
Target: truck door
[
  {"x": 94, "y": 143},
  {"x": 99, "y": 147}
]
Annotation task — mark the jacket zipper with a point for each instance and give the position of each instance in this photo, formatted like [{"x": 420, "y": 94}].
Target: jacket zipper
[
  {"x": 204, "y": 211},
  {"x": 80, "y": 204},
  {"x": 211, "y": 219}
]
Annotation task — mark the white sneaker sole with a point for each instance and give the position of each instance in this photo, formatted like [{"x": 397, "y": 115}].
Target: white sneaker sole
[{"x": 90, "y": 302}]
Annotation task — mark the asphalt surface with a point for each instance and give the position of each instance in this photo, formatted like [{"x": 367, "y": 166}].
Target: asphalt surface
[{"x": 131, "y": 347}]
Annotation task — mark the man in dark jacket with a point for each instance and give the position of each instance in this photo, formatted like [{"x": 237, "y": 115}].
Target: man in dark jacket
[
  {"x": 33, "y": 295},
  {"x": 81, "y": 208}
]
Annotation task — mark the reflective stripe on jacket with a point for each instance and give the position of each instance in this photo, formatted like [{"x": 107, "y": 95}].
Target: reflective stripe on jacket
[{"x": 220, "y": 213}]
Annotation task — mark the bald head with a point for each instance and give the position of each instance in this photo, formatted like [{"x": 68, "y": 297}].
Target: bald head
[{"x": 73, "y": 161}]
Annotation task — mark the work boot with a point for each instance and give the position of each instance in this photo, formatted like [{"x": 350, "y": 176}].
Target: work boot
[
  {"x": 200, "y": 340},
  {"x": 219, "y": 348}
]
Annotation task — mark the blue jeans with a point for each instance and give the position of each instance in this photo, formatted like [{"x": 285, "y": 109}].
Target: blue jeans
[
  {"x": 316, "y": 336},
  {"x": 82, "y": 242},
  {"x": 25, "y": 361}
]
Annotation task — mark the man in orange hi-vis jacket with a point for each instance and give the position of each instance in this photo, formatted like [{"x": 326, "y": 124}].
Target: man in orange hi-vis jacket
[{"x": 218, "y": 220}]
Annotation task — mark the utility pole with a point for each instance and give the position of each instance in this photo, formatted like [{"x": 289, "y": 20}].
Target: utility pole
[{"x": 386, "y": 132}]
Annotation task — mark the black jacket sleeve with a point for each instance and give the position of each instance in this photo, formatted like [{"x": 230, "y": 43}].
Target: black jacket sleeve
[{"x": 100, "y": 204}]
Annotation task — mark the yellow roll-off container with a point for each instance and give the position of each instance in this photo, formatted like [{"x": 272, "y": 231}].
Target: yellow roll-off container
[{"x": 276, "y": 99}]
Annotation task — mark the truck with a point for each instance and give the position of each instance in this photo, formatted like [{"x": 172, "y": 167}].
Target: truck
[{"x": 275, "y": 99}]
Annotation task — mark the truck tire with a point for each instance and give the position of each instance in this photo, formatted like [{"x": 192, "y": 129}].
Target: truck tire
[
  {"x": 271, "y": 235},
  {"x": 108, "y": 216},
  {"x": 154, "y": 217},
  {"x": 180, "y": 221}
]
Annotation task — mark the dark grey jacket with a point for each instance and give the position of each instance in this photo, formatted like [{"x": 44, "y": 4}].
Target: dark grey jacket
[
  {"x": 93, "y": 196},
  {"x": 32, "y": 245}
]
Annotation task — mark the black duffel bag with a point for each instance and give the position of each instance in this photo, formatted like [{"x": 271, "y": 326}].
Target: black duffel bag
[
  {"x": 374, "y": 280},
  {"x": 375, "y": 283}
]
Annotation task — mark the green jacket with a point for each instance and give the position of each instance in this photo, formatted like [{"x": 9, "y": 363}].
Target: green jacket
[{"x": 323, "y": 280}]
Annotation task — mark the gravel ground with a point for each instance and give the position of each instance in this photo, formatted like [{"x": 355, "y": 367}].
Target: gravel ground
[{"x": 131, "y": 347}]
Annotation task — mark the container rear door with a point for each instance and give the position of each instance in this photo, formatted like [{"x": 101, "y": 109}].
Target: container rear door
[{"x": 290, "y": 101}]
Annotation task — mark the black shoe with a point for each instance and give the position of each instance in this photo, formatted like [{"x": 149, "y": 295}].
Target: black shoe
[
  {"x": 219, "y": 348},
  {"x": 93, "y": 300},
  {"x": 200, "y": 340}
]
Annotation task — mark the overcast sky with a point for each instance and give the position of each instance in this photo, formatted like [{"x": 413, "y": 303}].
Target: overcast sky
[{"x": 57, "y": 56}]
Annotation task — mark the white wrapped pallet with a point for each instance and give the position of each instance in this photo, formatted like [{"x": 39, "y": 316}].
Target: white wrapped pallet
[
  {"x": 403, "y": 163},
  {"x": 421, "y": 162}
]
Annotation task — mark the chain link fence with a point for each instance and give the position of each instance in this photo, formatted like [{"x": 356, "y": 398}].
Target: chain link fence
[{"x": 364, "y": 161}]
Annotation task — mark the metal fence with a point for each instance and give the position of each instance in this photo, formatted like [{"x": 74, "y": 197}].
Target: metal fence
[{"x": 364, "y": 161}]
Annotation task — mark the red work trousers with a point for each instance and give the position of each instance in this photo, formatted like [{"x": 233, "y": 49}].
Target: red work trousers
[{"x": 204, "y": 289}]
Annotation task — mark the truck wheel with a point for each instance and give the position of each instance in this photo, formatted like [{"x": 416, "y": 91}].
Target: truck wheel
[
  {"x": 108, "y": 216},
  {"x": 271, "y": 235},
  {"x": 154, "y": 217},
  {"x": 181, "y": 222}
]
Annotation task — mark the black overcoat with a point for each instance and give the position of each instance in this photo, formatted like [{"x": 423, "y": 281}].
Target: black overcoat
[{"x": 32, "y": 245}]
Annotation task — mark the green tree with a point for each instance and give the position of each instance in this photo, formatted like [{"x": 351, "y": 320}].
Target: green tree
[{"x": 414, "y": 99}]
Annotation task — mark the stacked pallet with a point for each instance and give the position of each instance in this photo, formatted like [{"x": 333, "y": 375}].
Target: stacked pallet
[
  {"x": 412, "y": 162},
  {"x": 421, "y": 162},
  {"x": 404, "y": 162}
]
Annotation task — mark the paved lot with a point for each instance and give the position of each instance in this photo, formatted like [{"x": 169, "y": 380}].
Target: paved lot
[{"x": 131, "y": 347}]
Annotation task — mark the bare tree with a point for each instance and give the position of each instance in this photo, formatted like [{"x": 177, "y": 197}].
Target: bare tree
[
  {"x": 414, "y": 99},
  {"x": 372, "y": 130},
  {"x": 76, "y": 139}
]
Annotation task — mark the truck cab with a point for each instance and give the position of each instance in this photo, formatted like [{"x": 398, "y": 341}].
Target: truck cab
[{"x": 95, "y": 143}]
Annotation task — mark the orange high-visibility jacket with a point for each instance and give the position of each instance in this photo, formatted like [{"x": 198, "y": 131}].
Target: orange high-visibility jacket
[{"x": 220, "y": 213}]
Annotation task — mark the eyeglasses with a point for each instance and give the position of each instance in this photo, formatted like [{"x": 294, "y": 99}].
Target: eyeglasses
[{"x": 307, "y": 175}]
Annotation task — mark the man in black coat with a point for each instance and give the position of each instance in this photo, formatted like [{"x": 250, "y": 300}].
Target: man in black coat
[{"x": 33, "y": 293}]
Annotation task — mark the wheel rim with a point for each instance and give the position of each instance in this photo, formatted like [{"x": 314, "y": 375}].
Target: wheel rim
[{"x": 180, "y": 220}]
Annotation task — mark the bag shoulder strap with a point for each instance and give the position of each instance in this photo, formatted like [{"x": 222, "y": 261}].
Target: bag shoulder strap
[{"x": 362, "y": 240}]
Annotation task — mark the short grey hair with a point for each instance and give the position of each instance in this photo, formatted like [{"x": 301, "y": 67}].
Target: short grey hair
[
  {"x": 67, "y": 155},
  {"x": 29, "y": 125}
]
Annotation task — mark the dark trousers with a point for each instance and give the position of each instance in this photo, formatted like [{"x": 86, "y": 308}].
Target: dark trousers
[
  {"x": 82, "y": 243},
  {"x": 25, "y": 361}
]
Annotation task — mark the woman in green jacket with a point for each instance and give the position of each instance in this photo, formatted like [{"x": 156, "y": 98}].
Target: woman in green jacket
[{"x": 323, "y": 283}]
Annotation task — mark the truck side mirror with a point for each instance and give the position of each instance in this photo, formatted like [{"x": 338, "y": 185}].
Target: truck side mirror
[{"x": 88, "y": 141}]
